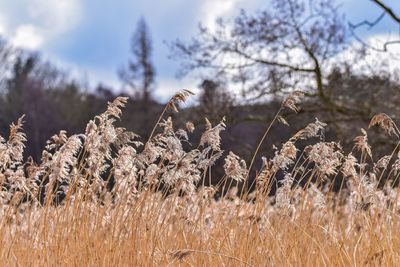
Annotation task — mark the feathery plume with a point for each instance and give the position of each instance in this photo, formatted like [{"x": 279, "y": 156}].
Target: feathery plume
[
  {"x": 361, "y": 143},
  {"x": 383, "y": 162},
  {"x": 114, "y": 108},
  {"x": 349, "y": 166},
  {"x": 385, "y": 122},
  {"x": 326, "y": 158},
  {"x": 11, "y": 152},
  {"x": 212, "y": 135},
  {"x": 190, "y": 126},
  {"x": 315, "y": 129},
  {"x": 396, "y": 164},
  {"x": 293, "y": 100},
  {"x": 285, "y": 157},
  {"x": 235, "y": 167},
  {"x": 179, "y": 97}
]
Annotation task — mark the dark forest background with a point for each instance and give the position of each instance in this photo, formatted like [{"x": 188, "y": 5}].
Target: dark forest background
[{"x": 270, "y": 53}]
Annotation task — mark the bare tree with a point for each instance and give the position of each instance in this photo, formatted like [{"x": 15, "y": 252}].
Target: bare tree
[
  {"x": 272, "y": 51},
  {"x": 139, "y": 74},
  {"x": 28, "y": 91}
]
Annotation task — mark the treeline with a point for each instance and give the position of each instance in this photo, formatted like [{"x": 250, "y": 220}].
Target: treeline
[
  {"x": 262, "y": 44},
  {"x": 52, "y": 102}
]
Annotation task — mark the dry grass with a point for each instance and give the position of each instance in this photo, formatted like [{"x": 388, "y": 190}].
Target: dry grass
[{"x": 63, "y": 211}]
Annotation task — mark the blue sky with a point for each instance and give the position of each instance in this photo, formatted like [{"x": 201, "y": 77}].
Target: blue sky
[{"x": 90, "y": 38}]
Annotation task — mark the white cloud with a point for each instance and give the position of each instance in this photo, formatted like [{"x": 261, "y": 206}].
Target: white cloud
[
  {"x": 372, "y": 61},
  {"x": 211, "y": 10},
  {"x": 27, "y": 36},
  {"x": 2, "y": 25},
  {"x": 56, "y": 16},
  {"x": 34, "y": 23},
  {"x": 166, "y": 88},
  {"x": 379, "y": 41}
]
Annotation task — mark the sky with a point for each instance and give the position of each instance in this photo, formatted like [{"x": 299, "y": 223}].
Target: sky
[{"x": 90, "y": 38}]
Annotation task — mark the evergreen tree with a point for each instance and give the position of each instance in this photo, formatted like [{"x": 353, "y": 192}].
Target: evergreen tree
[{"x": 139, "y": 74}]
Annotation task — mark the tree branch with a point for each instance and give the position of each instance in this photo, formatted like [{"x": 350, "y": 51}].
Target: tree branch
[
  {"x": 367, "y": 22},
  {"x": 365, "y": 44},
  {"x": 387, "y": 10},
  {"x": 272, "y": 63}
]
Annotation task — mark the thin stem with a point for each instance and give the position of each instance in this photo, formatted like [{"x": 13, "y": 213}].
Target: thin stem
[{"x": 261, "y": 141}]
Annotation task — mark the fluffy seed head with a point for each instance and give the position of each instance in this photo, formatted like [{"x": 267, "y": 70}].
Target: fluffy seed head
[
  {"x": 179, "y": 97},
  {"x": 190, "y": 126},
  {"x": 314, "y": 129},
  {"x": 361, "y": 143},
  {"x": 293, "y": 100},
  {"x": 326, "y": 158},
  {"x": 385, "y": 122},
  {"x": 235, "y": 167},
  {"x": 212, "y": 135}
]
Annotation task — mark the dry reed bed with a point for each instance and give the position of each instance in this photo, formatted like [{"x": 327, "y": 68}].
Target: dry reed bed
[{"x": 103, "y": 198}]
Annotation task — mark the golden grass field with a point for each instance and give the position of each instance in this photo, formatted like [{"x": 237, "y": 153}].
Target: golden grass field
[{"x": 63, "y": 211}]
